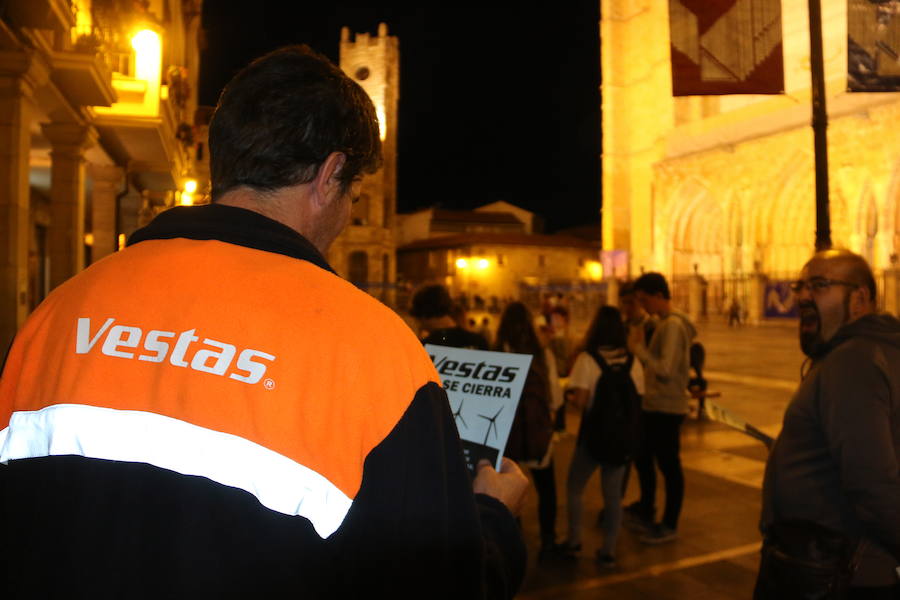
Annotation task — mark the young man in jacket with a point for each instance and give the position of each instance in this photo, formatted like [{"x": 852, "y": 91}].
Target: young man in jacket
[
  {"x": 663, "y": 406},
  {"x": 836, "y": 462},
  {"x": 212, "y": 412}
]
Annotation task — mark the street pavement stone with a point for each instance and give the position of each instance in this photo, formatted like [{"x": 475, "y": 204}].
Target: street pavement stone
[{"x": 717, "y": 552}]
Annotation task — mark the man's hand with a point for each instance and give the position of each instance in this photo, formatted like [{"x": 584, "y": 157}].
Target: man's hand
[
  {"x": 508, "y": 486},
  {"x": 635, "y": 338}
]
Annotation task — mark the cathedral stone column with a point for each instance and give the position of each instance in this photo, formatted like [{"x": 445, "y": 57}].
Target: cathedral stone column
[
  {"x": 612, "y": 291},
  {"x": 891, "y": 291},
  {"x": 20, "y": 75},
  {"x": 756, "y": 309},
  {"x": 695, "y": 297},
  {"x": 107, "y": 182},
  {"x": 66, "y": 239}
]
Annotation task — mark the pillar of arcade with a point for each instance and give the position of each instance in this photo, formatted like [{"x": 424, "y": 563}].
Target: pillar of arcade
[
  {"x": 67, "y": 197},
  {"x": 20, "y": 76},
  {"x": 107, "y": 183}
]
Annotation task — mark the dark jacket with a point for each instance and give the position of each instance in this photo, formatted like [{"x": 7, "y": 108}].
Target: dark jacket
[
  {"x": 837, "y": 459},
  {"x": 128, "y": 511}
]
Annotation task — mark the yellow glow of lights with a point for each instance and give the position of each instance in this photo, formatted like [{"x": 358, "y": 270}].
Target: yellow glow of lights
[
  {"x": 89, "y": 239},
  {"x": 595, "y": 270},
  {"x": 121, "y": 241},
  {"x": 476, "y": 263},
  {"x": 186, "y": 199},
  {"x": 382, "y": 128},
  {"x": 148, "y": 55},
  {"x": 190, "y": 186},
  {"x": 83, "y": 16}
]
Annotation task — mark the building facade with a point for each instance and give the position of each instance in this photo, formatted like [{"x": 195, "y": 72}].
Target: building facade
[
  {"x": 488, "y": 257},
  {"x": 365, "y": 253},
  {"x": 97, "y": 100},
  {"x": 721, "y": 189}
]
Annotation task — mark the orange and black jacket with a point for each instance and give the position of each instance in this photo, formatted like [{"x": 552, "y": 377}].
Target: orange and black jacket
[{"x": 212, "y": 412}]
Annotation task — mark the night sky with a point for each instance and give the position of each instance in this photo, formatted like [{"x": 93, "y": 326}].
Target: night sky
[{"x": 499, "y": 100}]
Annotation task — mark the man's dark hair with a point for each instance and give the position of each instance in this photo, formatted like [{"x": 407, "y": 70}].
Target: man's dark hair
[
  {"x": 626, "y": 289},
  {"x": 431, "y": 301},
  {"x": 280, "y": 118},
  {"x": 653, "y": 283}
]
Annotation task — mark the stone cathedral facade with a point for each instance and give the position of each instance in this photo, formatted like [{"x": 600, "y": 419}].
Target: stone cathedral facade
[{"x": 718, "y": 192}]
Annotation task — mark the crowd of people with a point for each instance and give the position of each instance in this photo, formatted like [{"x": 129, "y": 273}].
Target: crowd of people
[
  {"x": 830, "y": 522},
  {"x": 623, "y": 420},
  {"x": 213, "y": 412}
]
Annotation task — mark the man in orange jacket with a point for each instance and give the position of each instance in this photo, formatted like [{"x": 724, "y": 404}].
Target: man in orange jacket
[{"x": 212, "y": 412}]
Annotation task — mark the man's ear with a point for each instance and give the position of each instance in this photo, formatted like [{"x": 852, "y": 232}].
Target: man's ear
[
  {"x": 326, "y": 183},
  {"x": 861, "y": 302}
]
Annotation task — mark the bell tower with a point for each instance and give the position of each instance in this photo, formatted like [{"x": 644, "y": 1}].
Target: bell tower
[{"x": 365, "y": 253}]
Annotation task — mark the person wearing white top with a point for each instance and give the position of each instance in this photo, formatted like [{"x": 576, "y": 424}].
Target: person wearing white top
[{"x": 606, "y": 335}]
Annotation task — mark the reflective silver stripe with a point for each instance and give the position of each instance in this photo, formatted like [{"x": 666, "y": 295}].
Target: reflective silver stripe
[{"x": 278, "y": 482}]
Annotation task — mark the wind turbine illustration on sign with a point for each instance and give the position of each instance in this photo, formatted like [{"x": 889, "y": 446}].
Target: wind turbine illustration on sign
[
  {"x": 493, "y": 425},
  {"x": 458, "y": 413}
]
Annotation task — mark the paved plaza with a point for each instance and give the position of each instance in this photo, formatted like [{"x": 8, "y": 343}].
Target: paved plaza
[{"x": 716, "y": 555}]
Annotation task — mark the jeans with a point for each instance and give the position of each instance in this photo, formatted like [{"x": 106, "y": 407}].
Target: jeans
[
  {"x": 661, "y": 445},
  {"x": 545, "y": 485},
  {"x": 581, "y": 469}
]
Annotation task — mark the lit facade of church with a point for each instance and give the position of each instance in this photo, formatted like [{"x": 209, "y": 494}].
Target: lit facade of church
[{"x": 721, "y": 188}]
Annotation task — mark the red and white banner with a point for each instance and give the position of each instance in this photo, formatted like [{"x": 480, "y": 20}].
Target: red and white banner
[{"x": 726, "y": 47}]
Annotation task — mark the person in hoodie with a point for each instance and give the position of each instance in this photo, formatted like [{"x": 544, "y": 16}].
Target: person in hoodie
[
  {"x": 836, "y": 462},
  {"x": 663, "y": 406}
]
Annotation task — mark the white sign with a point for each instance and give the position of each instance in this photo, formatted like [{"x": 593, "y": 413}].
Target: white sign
[{"x": 484, "y": 389}]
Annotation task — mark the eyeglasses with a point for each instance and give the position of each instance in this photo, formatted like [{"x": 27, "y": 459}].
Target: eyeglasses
[{"x": 817, "y": 285}]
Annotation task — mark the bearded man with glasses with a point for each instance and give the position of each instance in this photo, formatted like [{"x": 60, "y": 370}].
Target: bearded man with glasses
[{"x": 831, "y": 495}]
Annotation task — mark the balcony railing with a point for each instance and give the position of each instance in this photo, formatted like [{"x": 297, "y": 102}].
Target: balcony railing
[{"x": 111, "y": 44}]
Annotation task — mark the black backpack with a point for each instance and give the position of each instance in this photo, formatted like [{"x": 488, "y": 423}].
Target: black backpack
[{"x": 610, "y": 429}]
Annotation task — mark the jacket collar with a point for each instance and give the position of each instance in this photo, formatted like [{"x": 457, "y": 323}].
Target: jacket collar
[{"x": 231, "y": 225}]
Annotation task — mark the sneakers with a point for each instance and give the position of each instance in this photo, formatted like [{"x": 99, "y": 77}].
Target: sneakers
[
  {"x": 570, "y": 551},
  {"x": 659, "y": 534},
  {"x": 636, "y": 519},
  {"x": 605, "y": 561}
]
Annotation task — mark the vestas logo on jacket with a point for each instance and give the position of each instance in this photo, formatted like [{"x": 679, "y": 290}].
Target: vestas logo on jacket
[{"x": 159, "y": 345}]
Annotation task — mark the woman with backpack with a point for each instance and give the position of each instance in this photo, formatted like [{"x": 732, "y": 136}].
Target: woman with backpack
[
  {"x": 605, "y": 382},
  {"x": 530, "y": 438}
]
